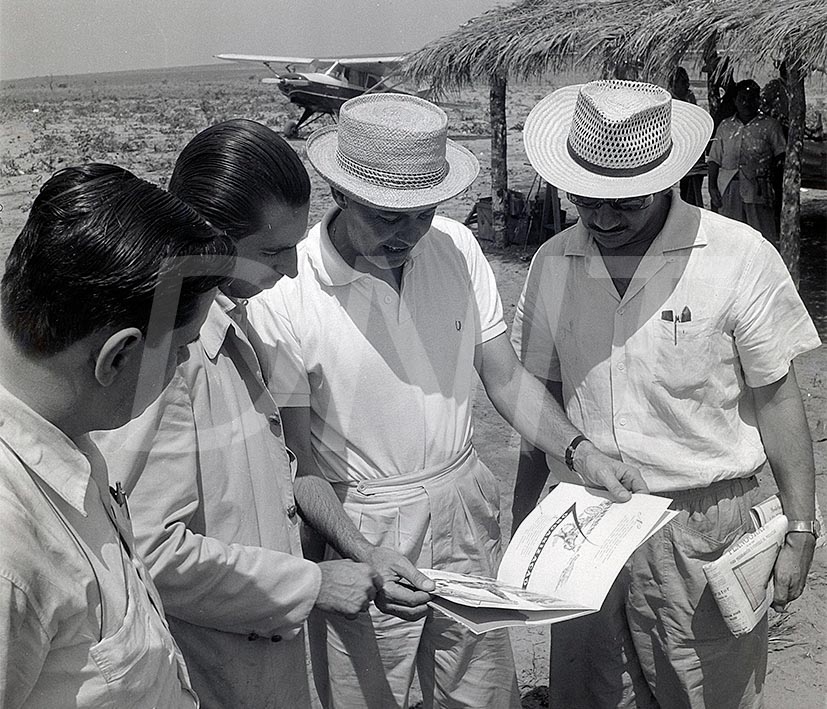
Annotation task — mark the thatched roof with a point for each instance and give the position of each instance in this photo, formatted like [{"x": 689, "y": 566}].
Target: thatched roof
[
  {"x": 530, "y": 37},
  {"x": 526, "y": 39},
  {"x": 750, "y": 32}
]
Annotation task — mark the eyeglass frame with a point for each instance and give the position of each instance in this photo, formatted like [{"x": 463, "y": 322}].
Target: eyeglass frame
[{"x": 623, "y": 204}]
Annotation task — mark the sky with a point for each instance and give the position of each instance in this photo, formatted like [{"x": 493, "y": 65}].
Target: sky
[{"x": 43, "y": 37}]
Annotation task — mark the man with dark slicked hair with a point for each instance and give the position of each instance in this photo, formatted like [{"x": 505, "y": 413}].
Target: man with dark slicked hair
[
  {"x": 218, "y": 499},
  {"x": 108, "y": 280}
]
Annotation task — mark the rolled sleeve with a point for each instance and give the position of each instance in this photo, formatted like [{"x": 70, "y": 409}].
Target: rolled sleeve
[{"x": 772, "y": 326}]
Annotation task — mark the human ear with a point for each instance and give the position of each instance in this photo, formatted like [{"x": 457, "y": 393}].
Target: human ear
[
  {"x": 340, "y": 199},
  {"x": 115, "y": 353}
]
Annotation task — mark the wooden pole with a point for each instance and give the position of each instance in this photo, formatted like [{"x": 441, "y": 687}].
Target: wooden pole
[
  {"x": 789, "y": 242},
  {"x": 499, "y": 159}
]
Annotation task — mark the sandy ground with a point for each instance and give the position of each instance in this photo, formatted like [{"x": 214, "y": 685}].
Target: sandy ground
[{"x": 140, "y": 120}]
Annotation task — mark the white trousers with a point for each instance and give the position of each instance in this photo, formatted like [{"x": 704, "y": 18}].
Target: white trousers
[{"x": 446, "y": 518}]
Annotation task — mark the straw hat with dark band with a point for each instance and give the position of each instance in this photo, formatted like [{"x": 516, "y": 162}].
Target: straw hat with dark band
[
  {"x": 392, "y": 151},
  {"x": 614, "y": 139}
]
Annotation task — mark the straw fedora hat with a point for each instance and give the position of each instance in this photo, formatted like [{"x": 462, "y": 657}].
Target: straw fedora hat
[
  {"x": 392, "y": 151},
  {"x": 614, "y": 139}
]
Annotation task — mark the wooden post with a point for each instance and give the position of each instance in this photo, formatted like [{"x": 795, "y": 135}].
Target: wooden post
[
  {"x": 789, "y": 241},
  {"x": 499, "y": 159},
  {"x": 710, "y": 66}
]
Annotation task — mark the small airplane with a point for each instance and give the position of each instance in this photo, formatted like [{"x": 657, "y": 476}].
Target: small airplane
[{"x": 329, "y": 83}]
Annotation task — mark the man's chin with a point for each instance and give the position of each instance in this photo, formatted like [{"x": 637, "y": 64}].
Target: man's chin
[
  {"x": 611, "y": 240},
  {"x": 242, "y": 290}
]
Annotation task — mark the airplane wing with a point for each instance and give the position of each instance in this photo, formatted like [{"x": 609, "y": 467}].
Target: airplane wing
[
  {"x": 375, "y": 65},
  {"x": 267, "y": 59}
]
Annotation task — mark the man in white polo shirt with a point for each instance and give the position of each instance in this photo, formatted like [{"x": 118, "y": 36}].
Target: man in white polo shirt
[
  {"x": 669, "y": 332},
  {"x": 374, "y": 348}
]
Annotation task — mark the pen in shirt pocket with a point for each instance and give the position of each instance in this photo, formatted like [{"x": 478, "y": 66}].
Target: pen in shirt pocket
[{"x": 669, "y": 316}]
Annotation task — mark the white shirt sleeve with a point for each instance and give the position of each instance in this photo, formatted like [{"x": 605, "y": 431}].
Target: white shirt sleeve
[
  {"x": 273, "y": 315},
  {"x": 483, "y": 283},
  {"x": 776, "y": 138},
  {"x": 531, "y": 333},
  {"x": 772, "y": 326},
  {"x": 232, "y": 587},
  {"x": 24, "y": 644}
]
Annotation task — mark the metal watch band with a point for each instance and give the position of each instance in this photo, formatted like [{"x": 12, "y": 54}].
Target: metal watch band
[
  {"x": 801, "y": 525},
  {"x": 569, "y": 457}
]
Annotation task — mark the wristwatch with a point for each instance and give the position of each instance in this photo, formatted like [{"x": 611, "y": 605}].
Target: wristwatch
[
  {"x": 800, "y": 525},
  {"x": 569, "y": 457}
]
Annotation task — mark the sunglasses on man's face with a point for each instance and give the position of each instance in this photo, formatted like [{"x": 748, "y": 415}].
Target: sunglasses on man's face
[{"x": 626, "y": 204}]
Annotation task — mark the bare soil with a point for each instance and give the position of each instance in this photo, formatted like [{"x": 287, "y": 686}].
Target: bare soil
[{"x": 141, "y": 120}]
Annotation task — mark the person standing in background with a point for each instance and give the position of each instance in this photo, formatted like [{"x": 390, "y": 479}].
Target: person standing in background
[
  {"x": 747, "y": 150},
  {"x": 691, "y": 185}
]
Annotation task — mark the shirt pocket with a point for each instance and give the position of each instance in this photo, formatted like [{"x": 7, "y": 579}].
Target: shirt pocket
[
  {"x": 139, "y": 658},
  {"x": 124, "y": 657},
  {"x": 683, "y": 355}
]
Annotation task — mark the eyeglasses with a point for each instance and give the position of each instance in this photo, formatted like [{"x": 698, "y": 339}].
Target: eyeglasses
[{"x": 627, "y": 204}]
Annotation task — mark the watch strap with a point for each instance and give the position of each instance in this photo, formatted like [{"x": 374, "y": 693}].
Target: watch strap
[{"x": 569, "y": 456}]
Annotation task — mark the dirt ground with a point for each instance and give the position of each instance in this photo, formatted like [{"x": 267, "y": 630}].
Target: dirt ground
[{"x": 140, "y": 120}]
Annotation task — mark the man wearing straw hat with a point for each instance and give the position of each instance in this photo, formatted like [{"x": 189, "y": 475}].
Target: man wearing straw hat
[
  {"x": 375, "y": 344},
  {"x": 669, "y": 333}
]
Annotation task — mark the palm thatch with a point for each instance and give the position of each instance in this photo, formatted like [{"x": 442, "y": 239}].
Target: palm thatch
[
  {"x": 528, "y": 39},
  {"x": 751, "y": 32},
  {"x": 531, "y": 37}
]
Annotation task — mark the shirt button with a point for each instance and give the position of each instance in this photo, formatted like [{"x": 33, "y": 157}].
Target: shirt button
[
  {"x": 621, "y": 366},
  {"x": 253, "y": 636},
  {"x": 388, "y": 300},
  {"x": 276, "y": 639},
  {"x": 291, "y": 511},
  {"x": 622, "y": 422}
]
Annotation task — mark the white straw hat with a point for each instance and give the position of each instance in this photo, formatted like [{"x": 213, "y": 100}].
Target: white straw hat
[
  {"x": 612, "y": 139},
  {"x": 392, "y": 151}
]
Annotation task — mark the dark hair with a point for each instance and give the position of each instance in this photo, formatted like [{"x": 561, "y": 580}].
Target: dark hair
[
  {"x": 680, "y": 74},
  {"x": 96, "y": 245},
  {"x": 229, "y": 172},
  {"x": 749, "y": 86}
]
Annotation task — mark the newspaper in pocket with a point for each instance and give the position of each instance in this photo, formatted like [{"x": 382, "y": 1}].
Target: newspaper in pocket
[{"x": 741, "y": 579}]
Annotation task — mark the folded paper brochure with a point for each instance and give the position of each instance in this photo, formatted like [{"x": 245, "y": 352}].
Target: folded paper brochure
[{"x": 560, "y": 564}]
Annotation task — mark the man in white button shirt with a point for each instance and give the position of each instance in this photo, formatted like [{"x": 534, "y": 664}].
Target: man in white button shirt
[
  {"x": 374, "y": 346},
  {"x": 669, "y": 334},
  {"x": 105, "y": 285}
]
